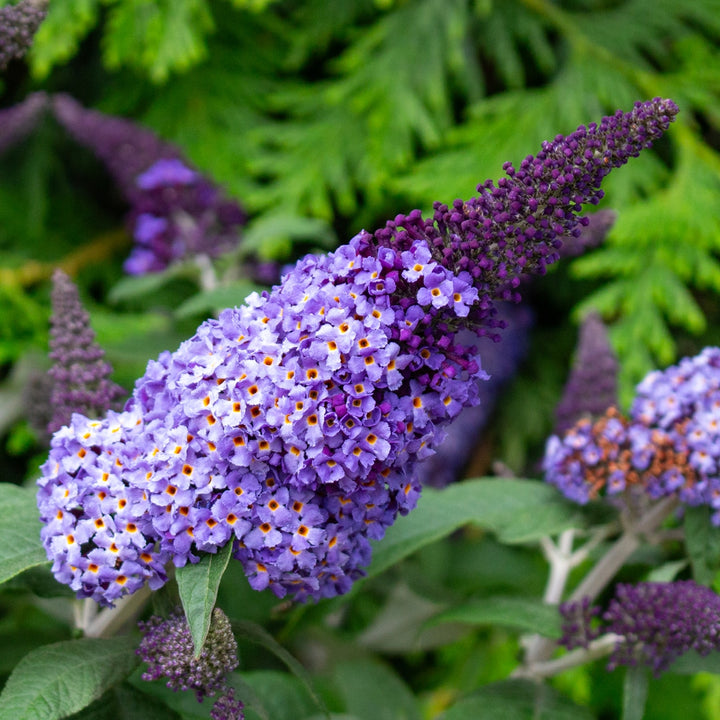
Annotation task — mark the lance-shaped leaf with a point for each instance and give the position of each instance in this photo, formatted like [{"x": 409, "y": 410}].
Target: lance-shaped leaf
[
  {"x": 198, "y": 585},
  {"x": 20, "y": 546}
]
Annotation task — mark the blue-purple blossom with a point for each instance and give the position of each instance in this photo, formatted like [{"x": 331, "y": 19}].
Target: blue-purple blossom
[
  {"x": 579, "y": 627},
  {"x": 80, "y": 374},
  {"x": 18, "y": 25},
  {"x": 292, "y": 426},
  {"x": 670, "y": 445},
  {"x": 659, "y": 622},
  {"x": 167, "y": 648},
  {"x": 612, "y": 456}
]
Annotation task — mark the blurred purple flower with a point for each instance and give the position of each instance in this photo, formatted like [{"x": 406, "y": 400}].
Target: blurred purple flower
[
  {"x": 592, "y": 386},
  {"x": 18, "y": 121}
]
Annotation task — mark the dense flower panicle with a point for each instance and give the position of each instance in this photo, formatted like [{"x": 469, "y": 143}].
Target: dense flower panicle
[
  {"x": 591, "y": 235},
  {"x": 516, "y": 227},
  {"x": 179, "y": 214},
  {"x": 659, "y": 622},
  {"x": 592, "y": 385},
  {"x": 18, "y": 121},
  {"x": 613, "y": 454},
  {"x": 80, "y": 375},
  {"x": 167, "y": 648},
  {"x": 292, "y": 426},
  {"x": 18, "y": 25},
  {"x": 96, "y": 527},
  {"x": 578, "y": 628}
]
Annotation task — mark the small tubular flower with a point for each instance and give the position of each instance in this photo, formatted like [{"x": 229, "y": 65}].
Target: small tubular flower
[{"x": 592, "y": 385}]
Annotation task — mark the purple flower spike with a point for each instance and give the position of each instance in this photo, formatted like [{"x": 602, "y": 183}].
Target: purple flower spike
[
  {"x": 293, "y": 426},
  {"x": 167, "y": 648},
  {"x": 18, "y": 121},
  {"x": 80, "y": 375},
  {"x": 18, "y": 25},
  {"x": 659, "y": 622},
  {"x": 516, "y": 226},
  {"x": 592, "y": 385}
]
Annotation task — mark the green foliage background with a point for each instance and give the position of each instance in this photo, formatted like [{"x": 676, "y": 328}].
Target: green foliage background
[{"x": 323, "y": 118}]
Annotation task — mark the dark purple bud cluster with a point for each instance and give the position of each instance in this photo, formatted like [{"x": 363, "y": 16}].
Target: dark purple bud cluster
[
  {"x": 80, "y": 375},
  {"x": 659, "y": 622},
  {"x": 669, "y": 446},
  {"x": 292, "y": 426},
  {"x": 579, "y": 628},
  {"x": 655, "y": 622},
  {"x": 592, "y": 385},
  {"x": 516, "y": 226},
  {"x": 18, "y": 25},
  {"x": 177, "y": 214},
  {"x": 167, "y": 648}
]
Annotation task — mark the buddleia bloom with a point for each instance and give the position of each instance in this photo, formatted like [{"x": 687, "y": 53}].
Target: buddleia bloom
[
  {"x": 667, "y": 446},
  {"x": 18, "y": 25},
  {"x": 18, "y": 121},
  {"x": 80, "y": 374},
  {"x": 292, "y": 426}
]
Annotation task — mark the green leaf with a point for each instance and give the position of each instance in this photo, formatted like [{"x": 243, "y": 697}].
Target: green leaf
[
  {"x": 198, "y": 585},
  {"x": 516, "y": 612},
  {"x": 517, "y": 510},
  {"x": 59, "y": 35},
  {"x": 277, "y": 695},
  {"x": 57, "y": 680},
  {"x": 219, "y": 298},
  {"x": 157, "y": 36},
  {"x": 256, "y": 633},
  {"x": 516, "y": 700},
  {"x": 702, "y": 540},
  {"x": 372, "y": 691},
  {"x": 692, "y": 663},
  {"x": 138, "y": 286},
  {"x": 20, "y": 546},
  {"x": 635, "y": 691},
  {"x": 125, "y": 702}
]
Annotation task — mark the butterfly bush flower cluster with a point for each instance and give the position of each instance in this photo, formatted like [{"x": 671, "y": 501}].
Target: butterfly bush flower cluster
[
  {"x": 167, "y": 648},
  {"x": 655, "y": 623},
  {"x": 176, "y": 212},
  {"x": 292, "y": 426},
  {"x": 667, "y": 447}
]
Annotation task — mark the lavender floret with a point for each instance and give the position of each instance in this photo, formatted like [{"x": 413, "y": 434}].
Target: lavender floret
[{"x": 18, "y": 121}]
